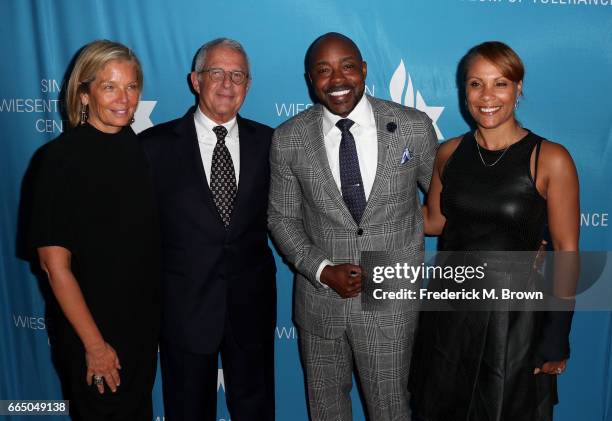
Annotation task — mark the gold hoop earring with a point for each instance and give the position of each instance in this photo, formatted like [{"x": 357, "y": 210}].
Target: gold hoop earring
[{"x": 84, "y": 114}]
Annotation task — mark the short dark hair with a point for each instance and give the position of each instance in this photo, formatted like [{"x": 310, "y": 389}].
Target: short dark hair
[
  {"x": 324, "y": 37},
  {"x": 500, "y": 55}
]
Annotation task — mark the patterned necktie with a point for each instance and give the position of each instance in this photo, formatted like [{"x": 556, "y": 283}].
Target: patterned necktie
[
  {"x": 350, "y": 175},
  {"x": 222, "y": 177}
]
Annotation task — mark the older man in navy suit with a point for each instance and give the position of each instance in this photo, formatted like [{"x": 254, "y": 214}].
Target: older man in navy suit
[{"x": 211, "y": 175}]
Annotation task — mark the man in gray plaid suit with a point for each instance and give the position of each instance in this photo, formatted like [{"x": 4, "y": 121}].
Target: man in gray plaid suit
[{"x": 344, "y": 177}]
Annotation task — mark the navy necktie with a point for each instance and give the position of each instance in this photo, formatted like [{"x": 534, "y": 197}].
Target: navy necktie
[
  {"x": 223, "y": 177},
  {"x": 350, "y": 175}
]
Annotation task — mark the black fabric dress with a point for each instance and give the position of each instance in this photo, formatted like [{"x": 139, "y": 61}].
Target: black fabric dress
[
  {"x": 94, "y": 197},
  {"x": 478, "y": 365}
]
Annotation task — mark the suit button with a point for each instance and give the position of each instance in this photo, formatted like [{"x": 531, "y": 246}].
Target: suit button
[{"x": 360, "y": 231}]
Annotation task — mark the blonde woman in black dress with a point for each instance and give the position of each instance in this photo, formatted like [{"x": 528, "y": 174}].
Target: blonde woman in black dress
[{"x": 96, "y": 233}]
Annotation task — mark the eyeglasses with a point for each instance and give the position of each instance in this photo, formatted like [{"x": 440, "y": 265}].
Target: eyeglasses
[{"x": 237, "y": 77}]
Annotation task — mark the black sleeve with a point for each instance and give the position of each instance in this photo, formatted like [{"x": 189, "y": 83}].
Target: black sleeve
[
  {"x": 53, "y": 210},
  {"x": 554, "y": 342}
]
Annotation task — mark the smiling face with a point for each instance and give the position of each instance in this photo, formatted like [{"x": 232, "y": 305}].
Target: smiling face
[
  {"x": 490, "y": 96},
  {"x": 220, "y": 101},
  {"x": 337, "y": 74},
  {"x": 113, "y": 96}
]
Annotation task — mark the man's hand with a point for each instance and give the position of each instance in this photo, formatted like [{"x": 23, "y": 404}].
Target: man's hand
[
  {"x": 538, "y": 263},
  {"x": 345, "y": 279}
]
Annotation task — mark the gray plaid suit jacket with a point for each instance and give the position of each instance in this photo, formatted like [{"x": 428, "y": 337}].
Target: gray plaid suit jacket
[{"x": 310, "y": 221}]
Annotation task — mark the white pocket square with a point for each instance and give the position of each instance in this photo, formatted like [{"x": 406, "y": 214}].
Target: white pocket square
[{"x": 406, "y": 156}]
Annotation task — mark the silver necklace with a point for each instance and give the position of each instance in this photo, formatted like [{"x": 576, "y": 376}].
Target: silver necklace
[{"x": 480, "y": 153}]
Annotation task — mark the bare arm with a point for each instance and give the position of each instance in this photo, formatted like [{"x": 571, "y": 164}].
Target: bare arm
[
  {"x": 101, "y": 358},
  {"x": 428, "y": 154},
  {"x": 559, "y": 185},
  {"x": 432, "y": 214}
]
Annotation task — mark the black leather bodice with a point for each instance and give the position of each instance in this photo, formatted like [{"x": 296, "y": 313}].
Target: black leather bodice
[{"x": 492, "y": 208}]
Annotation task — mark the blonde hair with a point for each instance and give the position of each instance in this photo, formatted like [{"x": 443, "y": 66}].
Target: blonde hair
[{"x": 92, "y": 58}]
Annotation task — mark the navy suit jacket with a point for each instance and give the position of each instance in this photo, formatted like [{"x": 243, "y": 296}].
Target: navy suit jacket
[{"x": 210, "y": 274}]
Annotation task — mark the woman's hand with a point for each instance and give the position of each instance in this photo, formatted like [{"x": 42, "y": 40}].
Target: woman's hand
[
  {"x": 551, "y": 367},
  {"x": 101, "y": 358},
  {"x": 102, "y": 361}
]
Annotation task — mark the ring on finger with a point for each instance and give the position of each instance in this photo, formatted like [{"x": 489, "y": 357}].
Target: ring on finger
[
  {"x": 97, "y": 380},
  {"x": 559, "y": 370}
]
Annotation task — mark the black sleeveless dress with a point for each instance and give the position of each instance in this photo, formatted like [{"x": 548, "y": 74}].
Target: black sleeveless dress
[{"x": 478, "y": 365}]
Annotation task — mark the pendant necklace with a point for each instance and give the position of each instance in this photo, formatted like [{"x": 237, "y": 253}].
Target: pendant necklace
[{"x": 480, "y": 153}]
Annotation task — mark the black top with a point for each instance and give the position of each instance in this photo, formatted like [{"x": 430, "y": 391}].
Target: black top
[
  {"x": 94, "y": 197},
  {"x": 478, "y": 365},
  {"x": 496, "y": 207}
]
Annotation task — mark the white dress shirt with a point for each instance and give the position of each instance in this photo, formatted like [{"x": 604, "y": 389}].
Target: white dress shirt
[
  {"x": 207, "y": 139},
  {"x": 366, "y": 143},
  {"x": 364, "y": 133}
]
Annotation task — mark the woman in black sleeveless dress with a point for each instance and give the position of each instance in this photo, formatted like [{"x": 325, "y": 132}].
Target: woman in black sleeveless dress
[
  {"x": 96, "y": 232},
  {"x": 494, "y": 190}
]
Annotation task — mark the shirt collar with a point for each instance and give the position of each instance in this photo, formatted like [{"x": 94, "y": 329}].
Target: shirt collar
[
  {"x": 208, "y": 124},
  {"x": 362, "y": 115}
]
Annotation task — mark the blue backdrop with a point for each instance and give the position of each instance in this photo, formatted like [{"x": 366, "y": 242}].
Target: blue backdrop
[{"x": 412, "y": 49}]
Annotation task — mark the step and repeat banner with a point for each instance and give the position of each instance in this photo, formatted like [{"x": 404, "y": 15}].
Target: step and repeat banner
[{"x": 412, "y": 49}]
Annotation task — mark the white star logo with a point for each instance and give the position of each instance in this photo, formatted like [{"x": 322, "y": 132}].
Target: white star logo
[
  {"x": 396, "y": 88},
  {"x": 220, "y": 380},
  {"x": 142, "y": 116}
]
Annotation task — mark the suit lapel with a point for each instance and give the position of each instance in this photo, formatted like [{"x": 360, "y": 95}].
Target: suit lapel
[
  {"x": 189, "y": 147},
  {"x": 387, "y": 143},
  {"x": 315, "y": 149},
  {"x": 248, "y": 169}
]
